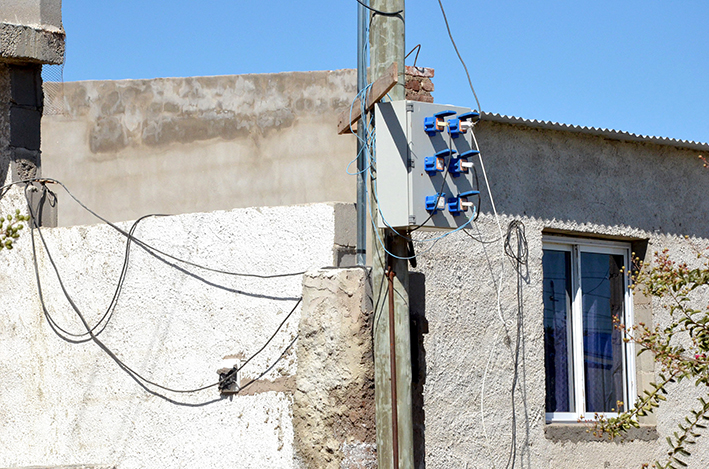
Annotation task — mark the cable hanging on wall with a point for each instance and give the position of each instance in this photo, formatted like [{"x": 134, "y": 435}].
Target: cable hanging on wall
[
  {"x": 143, "y": 244},
  {"x": 93, "y": 331}
]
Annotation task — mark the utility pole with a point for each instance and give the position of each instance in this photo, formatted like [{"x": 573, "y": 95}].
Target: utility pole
[{"x": 390, "y": 276}]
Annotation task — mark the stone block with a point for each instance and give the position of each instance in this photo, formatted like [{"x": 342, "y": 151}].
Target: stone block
[
  {"x": 25, "y": 127},
  {"x": 333, "y": 406},
  {"x": 427, "y": 84},
  {"x": 413, "y": 84},
  {"x": 345, "y": 224},
  {"x": 20, "y": 43},
  {"x": 26, "y": 85}
]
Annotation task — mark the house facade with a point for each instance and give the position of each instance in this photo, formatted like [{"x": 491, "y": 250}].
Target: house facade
[{"x": 513, "y": 340}]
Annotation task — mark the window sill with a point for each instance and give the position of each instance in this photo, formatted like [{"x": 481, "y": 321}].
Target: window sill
[{"x": 578, "y": 432}]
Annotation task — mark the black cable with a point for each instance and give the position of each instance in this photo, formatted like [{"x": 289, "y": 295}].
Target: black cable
[
  {"x": 114, "y": 299},
  {"x": 153, "y": 249},
  {"x": 519, "y": 254},
  {"x": 273, "y": 365},
  {"x": 481, "y": 241},
  {"x": 477, "y": 188},
  {"x": 379, "y": 12},
  {"x": 416, "y": 48},
  {"x": 234, "y": 370},
  {"x": 450, "y": 35},
  {"x": 90, "y": 331}
]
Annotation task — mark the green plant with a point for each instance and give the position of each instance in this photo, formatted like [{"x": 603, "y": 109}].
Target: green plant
[
  {"x": 10, "y": 227},
  {"x": 681, "y": 349}
]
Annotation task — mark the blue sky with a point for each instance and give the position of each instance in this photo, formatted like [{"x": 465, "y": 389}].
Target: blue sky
[{"x": 638, "y": 66}]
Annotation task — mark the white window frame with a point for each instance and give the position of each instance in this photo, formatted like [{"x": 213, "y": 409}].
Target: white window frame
[{"x": 576, "y": 246}]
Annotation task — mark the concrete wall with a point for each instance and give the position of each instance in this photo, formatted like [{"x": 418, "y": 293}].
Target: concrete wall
[
  {"x": 551, "y": 181},
  {"x": 333, "y": 408},
  {"x": 179, "y": 145},
  {"x": 47, "y": 13},
  {"x": 66, "y": 404},
  {"x": 31, "y": 31}
]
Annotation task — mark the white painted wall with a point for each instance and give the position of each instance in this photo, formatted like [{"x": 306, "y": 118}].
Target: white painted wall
[{"x": 67, "y": 404}]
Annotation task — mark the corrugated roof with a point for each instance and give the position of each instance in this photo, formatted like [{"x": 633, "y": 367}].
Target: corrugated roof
[{"x": 608, "y": 133}]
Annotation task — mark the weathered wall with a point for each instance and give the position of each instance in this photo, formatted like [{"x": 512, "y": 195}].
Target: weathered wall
[
  {"x": 550, "y": 180},
  {"x": 65, "y": 403},
  {"x": 178, "y": 145},
  {"x": 333, "y": 409}
]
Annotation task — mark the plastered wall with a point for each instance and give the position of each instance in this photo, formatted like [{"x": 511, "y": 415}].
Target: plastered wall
[
  {"x": 69, "y": 404},
  {"x": 179, "y": 145},
  {"x": 469, "y": 344}
]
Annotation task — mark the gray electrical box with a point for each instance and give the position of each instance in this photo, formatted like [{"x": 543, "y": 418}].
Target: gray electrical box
[{"x": 424, "y": 163}]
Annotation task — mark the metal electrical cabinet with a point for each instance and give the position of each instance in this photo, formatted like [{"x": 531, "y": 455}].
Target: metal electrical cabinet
[{"x": 424, "y": 158}]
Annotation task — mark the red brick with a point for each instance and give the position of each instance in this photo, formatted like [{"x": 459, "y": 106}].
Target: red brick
[
  {"x": 413, "y": 84},
  {"x": 422, "y": 72}
]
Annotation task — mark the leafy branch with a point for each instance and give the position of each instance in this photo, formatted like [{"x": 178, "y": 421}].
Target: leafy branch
[
  {"x": 10, "y": 227},
  {"x": 681, "y": 349}
]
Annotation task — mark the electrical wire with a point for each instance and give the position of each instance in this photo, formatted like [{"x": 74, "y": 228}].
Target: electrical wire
[
  {"x": 498, "y": 287},
  {"x": 450, "y": 35},
  {"x": 439, "y": 194},
  {"x": 436, "y": 239},
  {"x": 112, "y": 304},
  {"x": 153, "y": 249},
  {"x": 90, "y": 330},
  {"x": 519, "y": 254},
  {"x": 379, "y": 12},
  {"x": 416, "y": 48},
  {"x": 263, "y": 347},
  {"x": 368, "y": 148},
  {"x": 267, "y": 370}
]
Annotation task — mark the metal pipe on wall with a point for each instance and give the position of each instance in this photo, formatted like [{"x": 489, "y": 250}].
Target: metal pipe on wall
[
  {"x": 361, "y": 161},
  {"x": 392, "y": 367}
]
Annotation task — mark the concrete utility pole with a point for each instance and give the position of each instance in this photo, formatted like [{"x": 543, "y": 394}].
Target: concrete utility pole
[{"x": 387, "y": 46}]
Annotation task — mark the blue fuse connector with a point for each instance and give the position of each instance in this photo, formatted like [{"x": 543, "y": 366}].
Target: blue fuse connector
[
  {"x": 435, "y": 124},
  {"x": 469, "y": 153},
  {"x": 437, "y": 163},
  {"x": 469, "y": 116},
  {"x": 458, "y": 205},
  {"x": 456, "y": 168},
  {"x": 436, "y": 202},
  {"x": 429, "y": 126},
  {"x": 461, "y": 165},
  {"x": 454, "y": 128}
]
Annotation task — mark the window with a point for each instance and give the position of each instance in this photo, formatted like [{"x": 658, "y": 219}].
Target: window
[{"x": 589, "y": 368}]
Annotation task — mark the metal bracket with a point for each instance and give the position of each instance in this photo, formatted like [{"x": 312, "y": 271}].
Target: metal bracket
[{"x": 228, "y": 381}]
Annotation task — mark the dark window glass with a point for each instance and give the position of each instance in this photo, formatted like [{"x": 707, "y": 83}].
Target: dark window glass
[
  {"x": 602, "y": 291},
  {"x": 557, "y": 331}
]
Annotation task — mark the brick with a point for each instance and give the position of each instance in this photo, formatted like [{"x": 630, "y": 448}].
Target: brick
[
  {"x": 420, "y": 96},
  {"x": 413, "y": 84},
  {"x": 427, "y": 84},
  {"x": 422, "y": 72}
]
